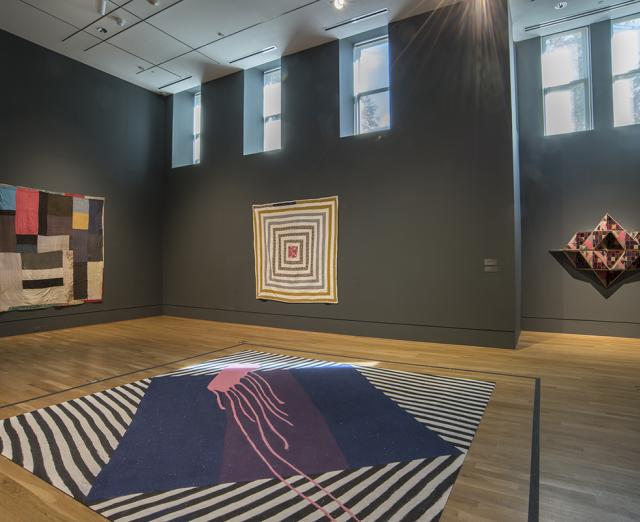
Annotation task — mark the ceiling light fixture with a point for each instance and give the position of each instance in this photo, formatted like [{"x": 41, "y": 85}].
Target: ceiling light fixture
[
  {"x": 154, "y": 3},
  {"x": 261, "y": 51},
  {"x": 102, "y": 7},
  {"x": 101, "y": 29},
  {"x": 561, "y": 5},
  {"x": 174, "y": 82},
  {"x": 356, "y": 19},
  {"x": 119, "y": 21},
  {"x": 338, "y": 4}
]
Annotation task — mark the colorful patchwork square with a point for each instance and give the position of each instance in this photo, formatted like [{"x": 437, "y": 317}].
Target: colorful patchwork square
[
  {"x": 53, "y": 243},
  {"x": 55, "y": 237},
  {"x": 80, "y": 214},
  {"x": 11, "y": 291},
  {"x": 27, "y": 204},
  {"x": 59, "y": 215},
  {"x": 296, "y": 249},
  {"x": 7, "y": 198},
  {"x": 8, "y": 239},
  {"x": 27, "y": 243},
  {"x": 95, "y": 271}
]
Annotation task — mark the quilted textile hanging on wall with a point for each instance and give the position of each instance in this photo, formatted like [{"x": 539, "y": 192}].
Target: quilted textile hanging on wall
[
  {"x": 51, "y": 249},
  {"x": 296, "y": 250}
]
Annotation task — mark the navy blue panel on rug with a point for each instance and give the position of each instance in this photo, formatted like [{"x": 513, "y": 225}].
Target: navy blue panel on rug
[
  {"x": 175, "y": 440},
  {"x": 368, "y": 426}
]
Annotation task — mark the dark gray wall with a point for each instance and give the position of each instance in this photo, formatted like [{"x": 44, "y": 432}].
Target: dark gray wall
[
  {"x": 568, "y": 183},
  {"x": 67, "y": 127},
  {"x": 421, "y": 206}
]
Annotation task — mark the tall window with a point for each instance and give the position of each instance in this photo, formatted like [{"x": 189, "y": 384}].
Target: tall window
[
  {"x": 196, "y": 127},
  {"x": 272, "y": 112},
  {"x": 566, "y": 82},
  {"x": 371, "y": 85},
  {"x": 626, "y": 71}
]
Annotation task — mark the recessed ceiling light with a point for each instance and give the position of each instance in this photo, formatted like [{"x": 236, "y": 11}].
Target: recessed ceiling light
[
  {"x": 101, "y": 29},
  {"x": 261, "y": 51},
  {"x": 338, "y": 4},
  {"x": 357, "y": 19},
  {"x": 561, "y": 5}
]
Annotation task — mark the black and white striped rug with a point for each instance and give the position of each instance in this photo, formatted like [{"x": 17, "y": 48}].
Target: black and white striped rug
[{"x": 116, "y": 450}]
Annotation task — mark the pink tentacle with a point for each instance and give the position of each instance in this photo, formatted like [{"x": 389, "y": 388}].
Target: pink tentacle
[
  {"x": 297, "y": 470},
  {"x": 258, "y": 376},
  {"x": 265, "y": 394},
  {"x": 266, "y": 402},
  {"x": 271, "y": 468},
  {"x": 237, "y": 396},
  {"x": 218, "y": 399},
  {"x": 264, "y": 415}
]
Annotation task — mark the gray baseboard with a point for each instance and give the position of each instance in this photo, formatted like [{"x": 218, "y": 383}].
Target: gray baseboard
[
  {"x": 580, "y": 326},
  {"x": 21, "y": 323},
  {"x": 17, "y": 323},
  {"x": 435, "y": 334}
]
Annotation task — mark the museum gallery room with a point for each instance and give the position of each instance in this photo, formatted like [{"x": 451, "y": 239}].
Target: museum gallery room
[{"x": 320, "y": 260}]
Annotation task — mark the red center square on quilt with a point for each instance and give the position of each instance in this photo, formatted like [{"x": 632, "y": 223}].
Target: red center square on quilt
[{"x": 292, "y": 252}]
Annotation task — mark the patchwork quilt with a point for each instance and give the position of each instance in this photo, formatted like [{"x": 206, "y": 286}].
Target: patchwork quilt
[
  {"x": 296, "y": 250},
  {"x": 51, "y": 248}
]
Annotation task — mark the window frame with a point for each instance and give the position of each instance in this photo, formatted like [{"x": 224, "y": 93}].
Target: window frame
[
  {"x": 586, "y": 81},
  {"x": 357, "y": 96},
  {"x": 197, "y": 143},
  {"x": 272, "y": 117},
  {"x": 635, "y": 73}
]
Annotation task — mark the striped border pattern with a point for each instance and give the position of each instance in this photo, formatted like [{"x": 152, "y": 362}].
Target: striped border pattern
[
  {"x": 68, "y": 444},
  {"x": 311, "y": 226},
  {"x": 415, "y": 490}
]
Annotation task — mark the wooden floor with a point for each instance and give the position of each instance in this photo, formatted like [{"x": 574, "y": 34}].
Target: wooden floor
[{"x": 590, "y": 407}]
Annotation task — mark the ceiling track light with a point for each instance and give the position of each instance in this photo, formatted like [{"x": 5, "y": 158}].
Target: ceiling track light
[
  {"x": 102, "y": 7},
  {"x": 154, "y": 3},
  {"x": 257, "y": 53},
  {"x": 338, "y": 4},
  {"x": 357, "y": 19}
]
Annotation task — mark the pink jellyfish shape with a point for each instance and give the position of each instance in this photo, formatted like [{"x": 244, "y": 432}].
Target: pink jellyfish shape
[{"x": 249, "y": 393}]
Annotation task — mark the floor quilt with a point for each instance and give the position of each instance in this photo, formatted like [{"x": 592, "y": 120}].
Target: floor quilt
[{"x": 257, "y": 436}]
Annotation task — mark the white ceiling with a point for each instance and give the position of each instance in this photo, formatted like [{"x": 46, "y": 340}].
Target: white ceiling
[
  {"x": 527, "y": 13},
  {"x": 180, "y": 44}
]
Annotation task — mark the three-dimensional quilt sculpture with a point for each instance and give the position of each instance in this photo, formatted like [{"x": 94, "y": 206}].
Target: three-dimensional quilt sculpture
[
  {"x": 51, "y": 249},
  {"x": 296, "y": 249},
  {"x": 607, "y": 256},
  {"x": 258, "y": 436}
]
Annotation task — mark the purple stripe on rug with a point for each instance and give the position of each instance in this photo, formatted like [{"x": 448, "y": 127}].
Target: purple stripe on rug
[{"x": 312, "y": 446}]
